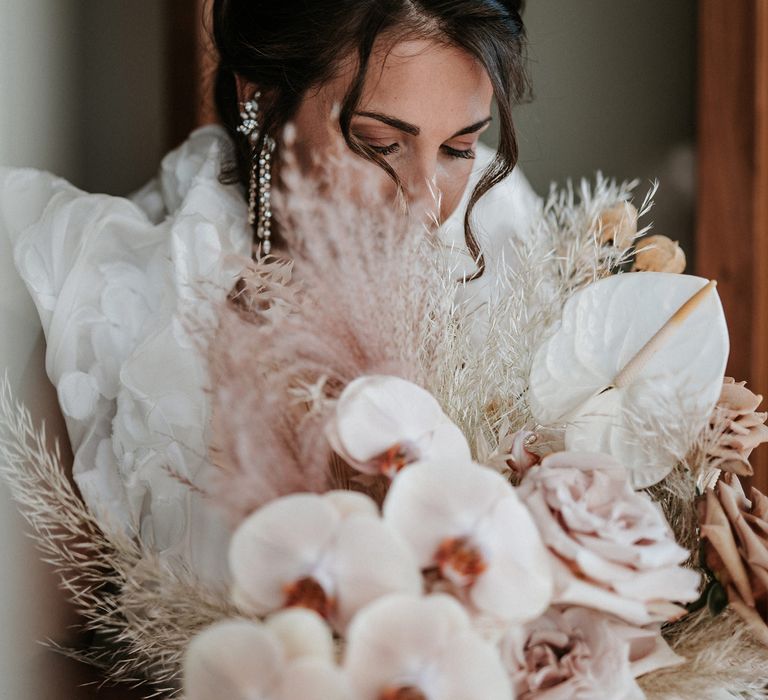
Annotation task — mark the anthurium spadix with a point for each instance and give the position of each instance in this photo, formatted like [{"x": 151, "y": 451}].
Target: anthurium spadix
[{"x": 633, "y": 351}]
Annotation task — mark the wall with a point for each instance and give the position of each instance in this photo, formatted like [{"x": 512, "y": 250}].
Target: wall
[
  {"x": 82, "y": 89},
  {"x": 123, "y": 124},
  {"x": 38, "y": 126},
  {"x": 614, "y": 90},
  {"x": 80, "y": 95}
]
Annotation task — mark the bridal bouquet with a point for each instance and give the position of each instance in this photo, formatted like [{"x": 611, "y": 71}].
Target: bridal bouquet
[{"x": 526, "y": 490}]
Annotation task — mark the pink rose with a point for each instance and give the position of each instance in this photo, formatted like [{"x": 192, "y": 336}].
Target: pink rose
[
  {"x": 580, "y": 654},
  {"x": 612, "y": 548}
]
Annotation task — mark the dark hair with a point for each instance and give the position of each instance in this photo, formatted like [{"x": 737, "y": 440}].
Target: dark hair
[{"x": 286, "y": 47}]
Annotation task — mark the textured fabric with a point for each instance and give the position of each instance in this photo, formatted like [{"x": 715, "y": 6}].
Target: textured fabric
[{"x": 117, "y": 283}]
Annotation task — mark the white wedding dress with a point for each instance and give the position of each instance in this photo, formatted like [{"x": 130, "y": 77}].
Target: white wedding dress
[{"x": 116, "y": 279}]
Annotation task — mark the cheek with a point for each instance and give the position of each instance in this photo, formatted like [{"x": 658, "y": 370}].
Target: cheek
[
  {"x": 313, "y": 138},
  {"x": 325, "y": 158},
  {"x": 318, "y": 145}
]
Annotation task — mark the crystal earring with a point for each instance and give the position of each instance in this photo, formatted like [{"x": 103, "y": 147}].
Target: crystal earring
[{"x": 260, "y": 185}]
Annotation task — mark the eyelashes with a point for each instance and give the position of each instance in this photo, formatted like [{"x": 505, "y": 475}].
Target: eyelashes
[
  {"x": 384, "y": 150},
  {"x": 467, "y": 154}
]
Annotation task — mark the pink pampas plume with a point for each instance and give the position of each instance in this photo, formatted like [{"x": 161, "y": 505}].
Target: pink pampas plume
[{"x": 368, "y": 295}]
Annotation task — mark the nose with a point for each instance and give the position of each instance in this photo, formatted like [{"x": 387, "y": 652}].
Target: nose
[{"x": 420, "y": 180}]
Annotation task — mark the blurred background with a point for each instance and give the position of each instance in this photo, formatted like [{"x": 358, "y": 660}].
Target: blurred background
[
  {"x": 614, "y": 90},
  {"x": 83, "y": 89},
  {"x": 81, "y": 94},
  {"x": 614, "y": 87},
  {"x": 98, "y": 90}
]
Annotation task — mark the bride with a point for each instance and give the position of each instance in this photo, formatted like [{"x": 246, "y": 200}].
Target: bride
[{"x": 407, "y": 84}]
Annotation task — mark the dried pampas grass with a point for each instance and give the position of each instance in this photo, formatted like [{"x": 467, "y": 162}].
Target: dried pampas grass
[
  {"x": 723, "y": 662},
  {"x": 141, "y": 613},
  {"x": 371, "y": 297},
  {"x": 562, "y": 253},
  {"x": 366, "y": 293}
]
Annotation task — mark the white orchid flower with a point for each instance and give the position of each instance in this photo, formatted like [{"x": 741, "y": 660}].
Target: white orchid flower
[
  {"x": 331, "y": 553},
  {"x": 288, "y": 658},
  {"x": 404, "y": 647},
  {"x": 468, "y": 523},
  {"x": 383, "y": 423}
]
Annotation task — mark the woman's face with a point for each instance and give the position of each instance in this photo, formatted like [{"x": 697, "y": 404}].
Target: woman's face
[{"x": 424, "y": 105}]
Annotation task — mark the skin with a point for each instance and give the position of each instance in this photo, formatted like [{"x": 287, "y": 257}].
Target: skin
[{"x": 423, "y": 108}]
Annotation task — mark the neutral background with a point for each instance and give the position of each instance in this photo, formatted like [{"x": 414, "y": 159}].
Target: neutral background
[
  {"x": 614, "y": 90},
  {"x": 82, "y": 94}
]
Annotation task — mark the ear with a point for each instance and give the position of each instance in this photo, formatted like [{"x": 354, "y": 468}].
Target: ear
[{"x": 245, "y": 89}]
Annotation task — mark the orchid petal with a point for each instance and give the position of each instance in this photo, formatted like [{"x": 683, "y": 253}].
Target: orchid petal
[
  {"x": 277, "y": 545},
  {"x": 426, "y": 643},
  {"x": 431, "y": 502},
  {"x": 371, "y": 560},
  {"x": 303, "y": 633},
  {"x": 309, "y": 679},
  {"x": 234, "y": 659},
  {"x": 395, "y": 408}
]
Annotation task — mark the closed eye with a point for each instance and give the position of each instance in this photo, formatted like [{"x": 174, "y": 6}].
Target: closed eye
[
  {"x": 469, "y": 153},
  {"x": 385, "y": 150}
]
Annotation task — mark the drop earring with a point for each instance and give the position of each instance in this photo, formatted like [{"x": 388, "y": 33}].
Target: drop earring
[{"x": 260, "y": 184}]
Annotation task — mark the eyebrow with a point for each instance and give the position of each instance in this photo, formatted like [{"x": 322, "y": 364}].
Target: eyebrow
[{"x": 413, "y": 130}]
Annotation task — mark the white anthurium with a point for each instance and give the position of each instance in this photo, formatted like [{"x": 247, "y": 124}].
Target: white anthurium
[
  {"x": 288, "y": 658},
  {"x": 633, "y": 350},
  {"x": 382, "y": 423},
  {"x": 331, "y": 553},
  {"x": 467, "y": 525},
  {"x": 407, "y": 648}
]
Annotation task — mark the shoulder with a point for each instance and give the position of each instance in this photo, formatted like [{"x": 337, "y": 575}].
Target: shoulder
[
  {"x": 502, "y": 216},
  {"x": 509, "y": 208},
  {"x": 56, "y": 230},
  {"x": 117, "y": 282},
  {"x": 78, "y": 253},
  {"x": 48, "y": 221}
]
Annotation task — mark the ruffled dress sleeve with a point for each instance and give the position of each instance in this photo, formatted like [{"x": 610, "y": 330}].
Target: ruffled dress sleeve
[
  {"x": 118, "y": 284},
  {"x": 502, "y": 219}
]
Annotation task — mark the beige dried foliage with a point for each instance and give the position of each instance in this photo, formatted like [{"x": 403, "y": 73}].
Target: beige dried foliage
[
  {"x": 683, "y": 443},
  {"x": 695, "y": 471},
  {"x": 740, "y": 428},
  {"x": 484, "y": 389},
  {"x": 142, "y": 614},
  {"x": 658, "y": 254},
  {"x": 723, "y": 661},
  {"x": 734, "y": 532},
  {"x": 618, "y": 225}
]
